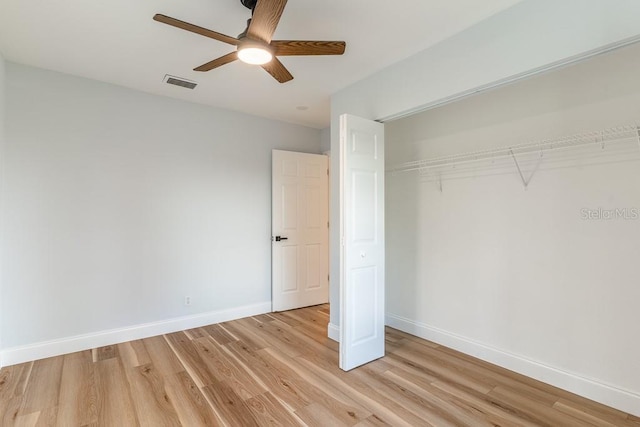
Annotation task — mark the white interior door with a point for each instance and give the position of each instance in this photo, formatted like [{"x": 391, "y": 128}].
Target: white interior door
[
  {"x": 300, "y": 230},
  {"x": 362, "y": 249}
]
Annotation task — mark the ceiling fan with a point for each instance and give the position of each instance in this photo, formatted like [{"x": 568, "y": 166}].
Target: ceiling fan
[{"x": 254, "y": 44}]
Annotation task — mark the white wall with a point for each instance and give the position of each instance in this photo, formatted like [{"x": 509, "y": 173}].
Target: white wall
[
  {"x": 532, "y": 35},
  {"x": 2, "y": 102},
  {"x": 325, "y": 139},
  {"x": 120, "y": 203},
  {"x": 518, "y": 277}
]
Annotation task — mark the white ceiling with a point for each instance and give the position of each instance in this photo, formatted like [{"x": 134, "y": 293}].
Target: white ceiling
[{"x": 116, "y": 41}]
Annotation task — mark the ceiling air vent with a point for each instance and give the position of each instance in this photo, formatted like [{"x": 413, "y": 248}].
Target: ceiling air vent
[{"x": 179, "y": 81}]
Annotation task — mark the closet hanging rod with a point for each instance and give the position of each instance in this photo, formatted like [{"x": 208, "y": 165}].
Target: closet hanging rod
[{"x": 596, "y": 137}]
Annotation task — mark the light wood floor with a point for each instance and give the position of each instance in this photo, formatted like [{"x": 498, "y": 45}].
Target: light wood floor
[{"x": 280, "y": 369}]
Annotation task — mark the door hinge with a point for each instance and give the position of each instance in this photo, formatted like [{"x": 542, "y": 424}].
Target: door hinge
[{"x": 327, "y": 172}]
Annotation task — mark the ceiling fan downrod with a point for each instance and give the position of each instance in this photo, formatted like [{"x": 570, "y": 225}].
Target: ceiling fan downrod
[{"x": 249, "y": 4}]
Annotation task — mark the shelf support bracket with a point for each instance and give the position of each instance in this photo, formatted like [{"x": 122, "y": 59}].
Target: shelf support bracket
[
  {"x": 638, "y": 132},
  {"x": 515, "y": 160}
]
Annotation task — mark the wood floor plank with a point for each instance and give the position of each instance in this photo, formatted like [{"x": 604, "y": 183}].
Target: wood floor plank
[
  {"x": 219, "y": 334},
  {"x": 191, "y": 406},
  {"x": 188, "y": 355},
  {"x": 462, "y": 408},
  {"x": 362, "y": 390},
  {"x": 491, "y": 409},
  {"x": 133, "y": 353},
  {"x": 440, "y": 369},
  {"x": 535, "y": 411},
  {"x": 43, "y": 387},
  {"x": 344, "y": 382},
  {"x": 150, "y": 399},
  {"x": 373, "y": 421},
  {"x": 77, "y": 402},
  {"x": 263, "y": 318},
  {"x": 233, "y": 409},
  {"x": 301, "y": 343},
  {"x": 244, "y": 330},
  {"x": 444, "y": 408},
  {"x": 282, "y": 369},
  {"x": 391, "y": 333},
  {"x": 318, "y": 336},
  {"x": 223, "y": 368},
  {"x": 286, "y": 317},
  {"x": 585, "y": 416},
  {"x": 196, "y": 333},
  {"x": 277, "y": 333},
  {"x": 113, "y": 395},
  {"x": 47, "y": 417},
  {"x": 344, "y": 408},
  {"x": 591, "y": 407},
  {"x": 420, "y": 407},
  {"x": 10, "y": 410},
  {"x": 13, "y": 380},
  {"x": 107, "y": 352},
  {"x": 280, "y": 384},
  {"x": 417, "y": 371},
  {"x": 28, "y": 420},
  {"x": 525, "y": 384},
  {"x": 270, "y": 411},
  {"x": 162, "y": 356},
  {"x": 316, "y": 415},
  {"x": 307, "y": 319},
  {"x": 13, "y": 383},
  {"x": 486, "y": 375}
]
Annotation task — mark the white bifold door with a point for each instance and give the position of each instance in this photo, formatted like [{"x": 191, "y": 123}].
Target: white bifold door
[
  {"x": 300, "y": 230},
  {"x": 362, "y": 241}
]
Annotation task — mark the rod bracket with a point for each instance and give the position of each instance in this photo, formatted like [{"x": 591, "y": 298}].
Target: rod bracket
[{"x": 515, "y": 160}]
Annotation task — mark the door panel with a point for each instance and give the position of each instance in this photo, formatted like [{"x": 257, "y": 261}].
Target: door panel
[
  {"x": 300, "y": 214},
  {"x": 313, "y": 267},
  {"x": 289, "y": 207},
  {"x": 362, "y": 254},
  {"x": 364, "y": 281},
  {"x": 289, "y": 269},
  {"x": 364, "y": 207}
]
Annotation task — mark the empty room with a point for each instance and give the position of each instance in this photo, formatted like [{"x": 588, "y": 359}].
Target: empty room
[{"x": 362, "y": 213}]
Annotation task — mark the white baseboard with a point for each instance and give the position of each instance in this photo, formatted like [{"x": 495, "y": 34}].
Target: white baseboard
[
  {"x": 610, "y": 395},
  {"x": 27, "y": 353},
  {"x": 333, "y": 332}
]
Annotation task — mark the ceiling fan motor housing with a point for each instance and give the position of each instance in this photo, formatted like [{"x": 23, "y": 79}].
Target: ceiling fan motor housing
[{"x": 249, "y": 4}]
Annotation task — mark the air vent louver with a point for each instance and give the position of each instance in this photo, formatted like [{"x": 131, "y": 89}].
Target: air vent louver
[{"x": 177, "y": 81}]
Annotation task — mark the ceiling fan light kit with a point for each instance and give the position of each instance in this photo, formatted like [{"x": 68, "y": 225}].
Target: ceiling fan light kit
[
  {"x": 254, "y": 45},
  {"x": 254, "y": 53}
]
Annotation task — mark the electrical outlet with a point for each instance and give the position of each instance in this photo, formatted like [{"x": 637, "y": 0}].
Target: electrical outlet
[{"x": 187, "y": 300}]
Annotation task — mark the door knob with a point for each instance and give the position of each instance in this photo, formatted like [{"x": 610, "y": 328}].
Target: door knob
[{"x": 279, "y": 238}]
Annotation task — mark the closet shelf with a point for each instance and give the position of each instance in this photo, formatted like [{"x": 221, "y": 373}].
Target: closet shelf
[{"x": 617, "y": 134}]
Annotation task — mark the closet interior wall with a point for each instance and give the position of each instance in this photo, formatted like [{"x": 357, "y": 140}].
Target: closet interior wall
[{"x": 542, "y": 279}]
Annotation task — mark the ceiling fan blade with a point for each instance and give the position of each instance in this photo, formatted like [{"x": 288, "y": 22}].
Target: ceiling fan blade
[
  {"x": 307, "y": 47},
  {"x": 230, "y": 57},
  {"x": 195, "y": 29},
  {"x": 278, "y": 70},
  {"x": 265, "y": 19}
]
